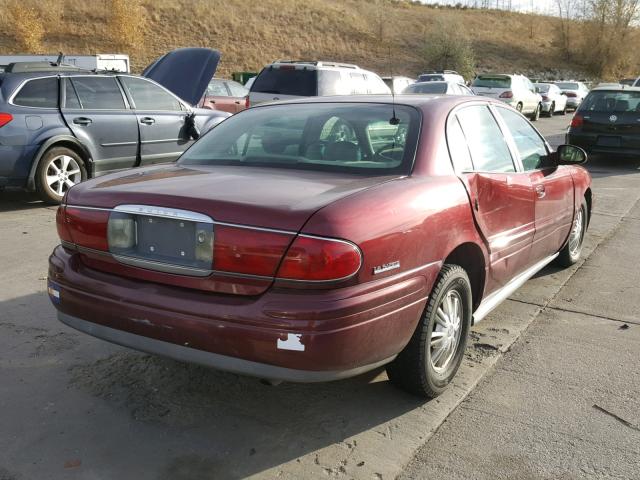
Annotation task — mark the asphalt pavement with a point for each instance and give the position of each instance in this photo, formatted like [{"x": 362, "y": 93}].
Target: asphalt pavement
[{"x": 548, "y": 388}]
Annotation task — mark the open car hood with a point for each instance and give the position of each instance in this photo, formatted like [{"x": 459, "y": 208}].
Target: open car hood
[{"x": 185, "y": 71}]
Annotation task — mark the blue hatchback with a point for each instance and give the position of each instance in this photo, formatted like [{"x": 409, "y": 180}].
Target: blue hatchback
[{"x": 60, "y": 125}]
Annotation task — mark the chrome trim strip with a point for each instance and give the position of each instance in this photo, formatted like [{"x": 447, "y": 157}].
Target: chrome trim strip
[
  {"x": 118, "y": 144},
  {"x": 165, "y": 140},
  {"x": 210, "y": 359},
  {"x": 164, "y": 212},
  {"x": 161, "y": 266},
  {"x": 497, "y": 297},
  {"x": 262, "y": 229}
]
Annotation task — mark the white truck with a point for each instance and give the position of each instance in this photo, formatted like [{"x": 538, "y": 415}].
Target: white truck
[{"x": 101, "y": 61}]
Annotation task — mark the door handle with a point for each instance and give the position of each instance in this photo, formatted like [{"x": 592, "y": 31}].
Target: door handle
[
  {"x": 148, "y": 120},
  {"x": 237, "y": 102},
  {"x": 540, "y": 191},
  {"x": 82, "y": 121}
]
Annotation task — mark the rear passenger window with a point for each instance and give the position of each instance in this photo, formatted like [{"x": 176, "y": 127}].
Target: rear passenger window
[
  {"x": 489, "y": 150},
  {"x": 98, "y": 93},
  {"x": 530, "y": 146},
  {"x": 458, "y": 147},
  {"x": 41, "y": 93},
  {"x": 71, "y": 98}
]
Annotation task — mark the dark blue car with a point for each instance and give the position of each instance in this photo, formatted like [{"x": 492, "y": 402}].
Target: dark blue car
[{"x": 60, "y": 125}]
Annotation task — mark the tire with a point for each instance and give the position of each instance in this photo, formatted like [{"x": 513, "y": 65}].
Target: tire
[
  {"x": 570, "y": 253},
  {"x": 552, "y": 110},
  {"x": 564, "y": 110},
  {"x": 426, "y": 372},
  {"x": 59, "y": 169},
  {"x": 519, "y": 107},
  {"x": 535, "y": 116}
]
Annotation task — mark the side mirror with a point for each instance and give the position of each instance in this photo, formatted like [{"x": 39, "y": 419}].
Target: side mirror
[{"x": 568, "y": 155}]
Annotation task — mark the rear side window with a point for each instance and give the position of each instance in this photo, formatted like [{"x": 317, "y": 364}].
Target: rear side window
[
  {"x": 287, "y": 81},
  {"x": 612, "y": 102},
  {"x": 487, "y": 81},
  {"x": 458, "y": 148},
  {"x": 149, "y": 96},
  {"x": 489, "y": 150},
  {"x": 41, "y": 93},
  {"x": 98, "y": 93},
  {"x": 530, "y": 146}
]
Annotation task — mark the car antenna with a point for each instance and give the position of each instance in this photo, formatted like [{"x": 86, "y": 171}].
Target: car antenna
[{"x": 393, "y": 120}]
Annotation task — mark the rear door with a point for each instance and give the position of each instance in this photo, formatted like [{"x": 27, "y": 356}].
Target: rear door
[
  {"x": 161, "y": 120},
  {"x": 502, "y": 199},
  {"x": 98, "y": 114},
  {"x": 553, "y": 186},
  {"x": 238, "y": 95}
]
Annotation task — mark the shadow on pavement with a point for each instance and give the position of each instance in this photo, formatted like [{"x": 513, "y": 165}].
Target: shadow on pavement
[
  {"x": 16, "y": 200},
  {"x": 211, "y": 424}
]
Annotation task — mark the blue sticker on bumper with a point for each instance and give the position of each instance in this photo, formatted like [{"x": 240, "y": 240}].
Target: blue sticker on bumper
[{"x": 53, "y": 289}]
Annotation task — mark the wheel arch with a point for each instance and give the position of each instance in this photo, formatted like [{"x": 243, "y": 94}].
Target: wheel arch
[
  {"x": 58, "y": 141},
  {"x": 470, "y": 257}
]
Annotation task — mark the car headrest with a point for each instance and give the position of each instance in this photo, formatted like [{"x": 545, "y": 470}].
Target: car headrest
[{"x": 345, "y": 151}]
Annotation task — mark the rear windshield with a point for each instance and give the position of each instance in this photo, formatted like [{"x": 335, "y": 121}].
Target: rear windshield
[
  {"x": 542, "y": 87},
  {"x": 610, "y": 102},
  {"x": 492, "y": 82},
  {"x": 435, "y": 87},
  {"x": 430, "y": 78},
  {"x": 567, "y": 85},
  {"x": 334, "y": 137},
  {"x": 287, "y": 81}
]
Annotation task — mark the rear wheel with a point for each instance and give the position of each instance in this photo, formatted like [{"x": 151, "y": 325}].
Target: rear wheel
[
  {"x": 519, "y": 107},
  {"x": 570, "y": 253},
  {"x": 552, "y": 110},
  {"x": 60, "y": 169},
  {"x": 431, "y": 358},
  {"x": 564, "y": 110}
]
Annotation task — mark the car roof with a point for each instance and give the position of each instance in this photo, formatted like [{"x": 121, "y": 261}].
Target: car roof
[{"x": 616, "y": 88}]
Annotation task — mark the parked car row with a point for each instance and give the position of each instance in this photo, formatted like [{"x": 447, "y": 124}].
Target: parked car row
[{"x": 316, "y": 238}]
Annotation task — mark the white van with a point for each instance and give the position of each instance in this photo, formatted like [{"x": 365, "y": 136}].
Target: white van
[
  {"x": 286, "y": 79},
  {"x": 515, "y": 90}
]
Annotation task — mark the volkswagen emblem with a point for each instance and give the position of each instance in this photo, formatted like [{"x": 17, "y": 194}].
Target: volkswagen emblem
[{"x": 613, "y": 118}]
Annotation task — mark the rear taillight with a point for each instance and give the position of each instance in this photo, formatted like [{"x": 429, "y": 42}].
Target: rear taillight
[
  {"x": 577, "y": 121},
  {"x": 248, "y": 251},
  {"x": 85, "y": 228},
  {"x": 5, "y": 118},
  {"x": 507, "y": 94},
  {"x": 545, "y": 98},
  {"x": 247, "y": 104},
  {"x": 319, "y": 259},
  {"x": 571, "y": 94}
]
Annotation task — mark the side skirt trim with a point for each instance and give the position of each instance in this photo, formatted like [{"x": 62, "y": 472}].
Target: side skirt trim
[{"x": 497, "y": 297}]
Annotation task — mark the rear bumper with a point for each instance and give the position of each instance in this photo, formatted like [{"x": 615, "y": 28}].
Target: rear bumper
[
  {"x": 300, "y": 336},
  {"x": 589, "y": 142},
  {"x": 573, "y": 102}
]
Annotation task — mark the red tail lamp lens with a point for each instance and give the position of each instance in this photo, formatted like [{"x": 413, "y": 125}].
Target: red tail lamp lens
[
  {"x": 577, "y": 121},
  {"x": 5, "y": 118},
  {"x": 87, "y": 228},
  {"x": 507, "y": 94},
  {"x": 247, "y": 104},
  {"x": 248, "y": 251},
  {"x": 61, "y": 225},
  {"x": 571, "y": 94},
  {"x": 319, "y": 259}
]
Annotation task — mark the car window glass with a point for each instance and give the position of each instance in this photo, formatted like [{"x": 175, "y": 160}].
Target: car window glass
[
  {"x": 237, "y": 90},
  {"x": 149, "y": 96},
  {"x": 530, "y": 146},
  {"x": 330, "y": 83},
  {"x": 98, "y": 93},
  {"x": 612, "y": 102},
  {"x": 488, "y": 147},
  {"x": 358, "y": 84},
  {"x": 287, "y": 81},
  {"x": 217, "y": 89},
  {"x": 489, "y": 81},
  {"x": 42, "y": 93},
  {"x": 344, "y": 137},
  {"x": 426, "y": 87},
  {"x": 71, "y": 98},
  {"x": 458, "y": 148}
]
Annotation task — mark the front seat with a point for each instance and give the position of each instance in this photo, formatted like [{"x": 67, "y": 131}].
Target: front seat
[{"x": 342, "y": 151}]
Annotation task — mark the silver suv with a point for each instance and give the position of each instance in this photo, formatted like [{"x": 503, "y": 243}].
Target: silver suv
[
  {"x": 515, "y": 90},
  {"x": 286, "y": 79}
]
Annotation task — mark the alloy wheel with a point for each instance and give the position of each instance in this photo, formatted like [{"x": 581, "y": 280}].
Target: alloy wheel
[
  {"x": 445, "y": 336},
  {"x": 577, "y": 233},
  {"x": 62, "y": 173}
]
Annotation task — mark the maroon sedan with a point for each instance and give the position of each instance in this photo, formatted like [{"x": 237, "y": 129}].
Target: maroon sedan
[{"x": 317, "y": 239}]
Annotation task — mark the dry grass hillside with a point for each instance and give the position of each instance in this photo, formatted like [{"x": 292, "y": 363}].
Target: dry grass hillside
[{"x": 252, "y": 33}]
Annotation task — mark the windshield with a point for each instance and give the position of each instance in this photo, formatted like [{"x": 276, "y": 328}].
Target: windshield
[
  {"x": 567, "y": 85},
  {"x": 333, "y": 137},
  {"x": 431, "y": 87},
  {"x": 287, "y": 81},
  {"x": 430, "y": 78},
  {"x": 492, "y": 81},
  {"x": 610, "y": 102}
]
